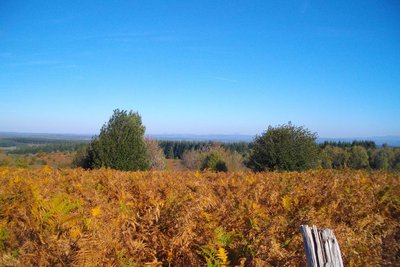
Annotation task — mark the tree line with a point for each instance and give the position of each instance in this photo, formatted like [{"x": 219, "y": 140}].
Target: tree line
[
  {"x": 49, "y": 148},
  {"x": 330, "y": 154},
  {"x": 121, "y": 145},
  {"x": 360, "y": 157},
  {"x": 343, "y": 144},
  {"x": 176, "y": 149}
]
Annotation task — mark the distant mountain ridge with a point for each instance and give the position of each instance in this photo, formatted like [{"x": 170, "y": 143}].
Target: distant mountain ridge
[
  {"x": 379, "y": 140},
  {"x": 53, "y": 136}
]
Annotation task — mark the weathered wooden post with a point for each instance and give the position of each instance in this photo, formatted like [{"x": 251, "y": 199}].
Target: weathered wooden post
[{"x": 321, "y": 247}]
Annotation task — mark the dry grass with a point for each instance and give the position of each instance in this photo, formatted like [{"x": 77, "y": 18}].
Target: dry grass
[{"x": 112, "y": 218}]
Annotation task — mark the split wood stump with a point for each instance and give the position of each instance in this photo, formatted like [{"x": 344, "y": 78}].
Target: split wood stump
[{"x": 321, "y": 247}]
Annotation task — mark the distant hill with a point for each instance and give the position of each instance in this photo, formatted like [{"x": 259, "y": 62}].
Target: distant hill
[
  {"x": 49, "y": 136},
  {"x": 227, "y": 138}
]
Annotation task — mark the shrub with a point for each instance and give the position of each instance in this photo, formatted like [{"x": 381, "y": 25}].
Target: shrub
[
  {"x": 284, "y": 147},
  {"x": 155, "y": 155},
  {"x": 192, "y": 159},
  {"x": 214, "y": 162},
  {"x": 206, "y": 158}
]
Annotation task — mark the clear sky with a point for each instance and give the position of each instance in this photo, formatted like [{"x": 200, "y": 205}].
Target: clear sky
[{"x": 201, "y": 67}]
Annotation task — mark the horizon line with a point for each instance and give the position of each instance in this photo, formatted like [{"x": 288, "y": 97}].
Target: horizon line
[{"x": 195, "y": 134}]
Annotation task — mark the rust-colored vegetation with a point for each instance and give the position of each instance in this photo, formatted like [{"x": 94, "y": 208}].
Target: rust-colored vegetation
[{"x": 72, "y": 217}]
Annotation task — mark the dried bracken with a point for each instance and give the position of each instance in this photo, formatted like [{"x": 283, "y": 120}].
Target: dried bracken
[{"x": 73, "y": 217}]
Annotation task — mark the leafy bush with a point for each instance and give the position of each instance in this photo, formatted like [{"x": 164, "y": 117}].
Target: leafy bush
[
  {"x": 213, "y": 157},
  {"x": 285, "y": 147},
  {"x": 214, "y": 162}
]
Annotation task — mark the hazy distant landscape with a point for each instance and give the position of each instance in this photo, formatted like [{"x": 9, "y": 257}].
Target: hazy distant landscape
[{"x": 379, "y": 140}]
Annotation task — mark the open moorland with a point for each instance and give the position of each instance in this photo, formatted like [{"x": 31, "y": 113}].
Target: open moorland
[{"x": 74, "y": 217}]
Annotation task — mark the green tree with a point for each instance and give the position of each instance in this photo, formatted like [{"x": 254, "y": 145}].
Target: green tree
[
  {"x": 340, "y": 158},
  {"x": 285, "y": 147},
  {"x": 358, "y": 158},
  {"x": 120, "y": 144},
  {"x": 326, "y": 157},
  {"x": 381, "y": 158},
  {"x": 334, "y": 157},
  {"x": 170, "y": 152},
  {"x": 395, "y": 161}
]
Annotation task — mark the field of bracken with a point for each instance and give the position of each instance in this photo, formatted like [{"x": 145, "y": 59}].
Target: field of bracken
[{"x": 65, "y": 217}]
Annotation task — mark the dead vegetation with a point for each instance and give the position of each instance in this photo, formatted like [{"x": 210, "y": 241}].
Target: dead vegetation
[{"x": 72, "y": 217}]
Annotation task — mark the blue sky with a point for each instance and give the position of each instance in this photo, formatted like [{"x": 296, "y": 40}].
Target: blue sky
[{"x": 201, "y": 67}]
